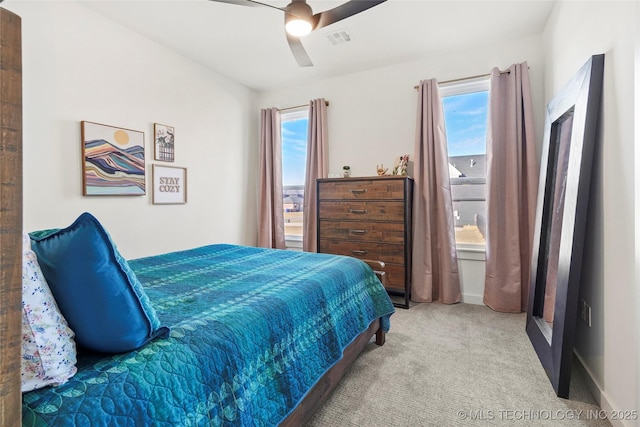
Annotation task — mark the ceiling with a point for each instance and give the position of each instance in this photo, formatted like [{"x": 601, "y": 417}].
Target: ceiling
[{"x": 248, "y": 45}]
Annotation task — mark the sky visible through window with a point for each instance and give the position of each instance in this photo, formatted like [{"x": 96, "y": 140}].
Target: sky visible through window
[
  {"x": 466, "y": 123},
  {"x": 294, "y": 151}
]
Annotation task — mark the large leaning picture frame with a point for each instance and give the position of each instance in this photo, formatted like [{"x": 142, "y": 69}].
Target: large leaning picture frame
[
  {"x": 112, "y": 160},
  {"x": 571, "y": 127}
]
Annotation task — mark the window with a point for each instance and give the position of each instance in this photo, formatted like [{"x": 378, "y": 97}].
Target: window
[
  {"x": 465, "y": 112},
  {"x": 294, "y": 164}
]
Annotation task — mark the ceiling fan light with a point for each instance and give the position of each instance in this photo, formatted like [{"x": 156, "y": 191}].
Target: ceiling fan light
[
  {"x": 298, "y": 18},
  {"x": 298, "y": 27}
]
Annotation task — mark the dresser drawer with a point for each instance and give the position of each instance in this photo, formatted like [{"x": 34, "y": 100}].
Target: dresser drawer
[
  {"x": 385, "y": 252},
  {"x": 392, "y": 189},
  {"x": 363, "y": 211},
  {"x": 386, "y": 232},
  {"x": 394, "y": 277}
]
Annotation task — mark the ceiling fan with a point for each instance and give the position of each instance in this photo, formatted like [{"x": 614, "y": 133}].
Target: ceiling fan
[{"x": 299, "y": 20}]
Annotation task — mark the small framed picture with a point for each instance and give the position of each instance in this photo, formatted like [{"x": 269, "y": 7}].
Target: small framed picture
[
  {"x": 112, "y": 160},
  {"x": 164, "y": 137},
  {"x": 169, "y": 185}
]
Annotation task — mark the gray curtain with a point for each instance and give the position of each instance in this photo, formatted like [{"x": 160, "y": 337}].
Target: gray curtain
[
  {"x": 270, "y": 210},
  {"x": 435, "y": 262},
  {"x": 317, "y": 167},
  {"x": 512, "y": 186}
]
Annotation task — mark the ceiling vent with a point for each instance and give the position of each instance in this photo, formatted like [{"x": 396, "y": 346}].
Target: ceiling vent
[{"x": 339, "y": 37}]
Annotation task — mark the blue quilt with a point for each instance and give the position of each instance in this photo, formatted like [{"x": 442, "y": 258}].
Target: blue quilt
[{"x": 252, "y": 330}]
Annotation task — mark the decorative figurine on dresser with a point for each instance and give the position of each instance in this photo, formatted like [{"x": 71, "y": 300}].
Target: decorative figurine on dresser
[{"x": 370, "y": 218}]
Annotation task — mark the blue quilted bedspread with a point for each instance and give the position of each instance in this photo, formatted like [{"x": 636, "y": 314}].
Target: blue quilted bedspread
[{"x": 252, "y": 330}]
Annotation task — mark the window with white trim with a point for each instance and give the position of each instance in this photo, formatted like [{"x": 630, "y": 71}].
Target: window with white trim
[
  {"x": 466, "y": 106},
  {"x": 294, "y": 163}
]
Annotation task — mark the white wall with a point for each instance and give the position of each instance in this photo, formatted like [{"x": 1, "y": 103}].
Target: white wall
[
  {"x": 372, "y": 114},
  {"x": 78, "y": 65},
  {"x": 637, "y": 196},
  {"x": 609, "y": 349}
]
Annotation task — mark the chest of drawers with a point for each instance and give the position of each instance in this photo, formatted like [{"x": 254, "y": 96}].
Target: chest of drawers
[{"x": 370, "y": 218}]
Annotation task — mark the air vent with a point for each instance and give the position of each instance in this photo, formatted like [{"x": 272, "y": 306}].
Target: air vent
[{"x": 339, "y": 37}]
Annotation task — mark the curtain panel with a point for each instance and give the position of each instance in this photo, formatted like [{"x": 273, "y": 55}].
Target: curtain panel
[
  {"x": 512, "y": 186},
  {"x": 435, "y": 262},
  {"x": 317, "y": 167},
  {"x": 270, "y": 205}
]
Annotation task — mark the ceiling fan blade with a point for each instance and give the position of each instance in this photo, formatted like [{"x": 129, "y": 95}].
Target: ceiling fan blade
[
  {"x": 298, "y": 51},
  {"x": 343, "y": 11}
]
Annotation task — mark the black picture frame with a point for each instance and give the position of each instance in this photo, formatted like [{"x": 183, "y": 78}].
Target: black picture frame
[{"x": 571, "y": 129}]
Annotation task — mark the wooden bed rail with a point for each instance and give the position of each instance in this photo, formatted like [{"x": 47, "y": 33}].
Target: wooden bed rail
[
  {"x": 323, "y": 388},
  {"x": 378, "y": 268},
  {"x": 10, "y": 217}
]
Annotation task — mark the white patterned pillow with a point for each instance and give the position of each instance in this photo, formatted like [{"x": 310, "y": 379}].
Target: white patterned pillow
[{"x": 48, "y": 348}]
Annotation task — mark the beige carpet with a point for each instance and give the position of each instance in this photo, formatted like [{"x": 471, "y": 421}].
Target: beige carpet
[{"x": 454, "y": 365}]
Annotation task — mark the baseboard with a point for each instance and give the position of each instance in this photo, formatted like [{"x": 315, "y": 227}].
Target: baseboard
[
  {"x": 600, "y": 395},
  {"x": 609, "y": 408},
  {"x": 473, "y": 299},
  {"x": 588, "y": 376}
]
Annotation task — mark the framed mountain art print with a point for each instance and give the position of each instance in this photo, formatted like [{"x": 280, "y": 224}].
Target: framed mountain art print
[{"x": 112, "y": 160}]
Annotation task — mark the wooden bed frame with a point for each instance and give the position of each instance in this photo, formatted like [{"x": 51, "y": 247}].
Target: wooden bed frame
[
  {"x": 11, "y": 247},
  {"x": 10, "y": 217},
  {"x": 328, "y": 382}
]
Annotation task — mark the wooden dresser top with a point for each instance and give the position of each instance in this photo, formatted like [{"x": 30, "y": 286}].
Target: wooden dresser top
[{"x": 364, "y": 178}]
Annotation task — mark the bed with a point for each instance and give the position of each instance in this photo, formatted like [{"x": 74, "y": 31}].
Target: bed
[
  {"x": 180, "y": 379},
  {"x": 257, "y": 337}
]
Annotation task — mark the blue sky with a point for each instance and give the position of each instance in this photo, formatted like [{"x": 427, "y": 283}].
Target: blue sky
[
  {"x": 466, "y": 123},
  {"x": 294, "y": 151}
]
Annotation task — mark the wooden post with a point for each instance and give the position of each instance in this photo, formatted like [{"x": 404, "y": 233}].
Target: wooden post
[{"x": 10, "y": 217}]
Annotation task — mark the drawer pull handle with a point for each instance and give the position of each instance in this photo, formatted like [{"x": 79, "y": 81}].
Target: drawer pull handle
[
  {"x": 358, "y": 190},
  {"x": 359, "y": 231},
  {"x": 358, "y": 252},
  {"x": 358, "y": 211}
]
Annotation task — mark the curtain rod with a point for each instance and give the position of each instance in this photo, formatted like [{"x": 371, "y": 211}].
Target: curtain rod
[
  {"x": 467, "y": 78},
  {"x": 300, "y": 106}
]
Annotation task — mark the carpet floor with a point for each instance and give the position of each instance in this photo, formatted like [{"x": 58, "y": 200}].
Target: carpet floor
[{"x": 454, "y": 365}]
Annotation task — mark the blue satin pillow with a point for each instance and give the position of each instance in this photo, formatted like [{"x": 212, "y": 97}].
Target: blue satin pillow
[{"x": 96, "y": 290}]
